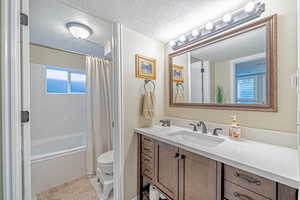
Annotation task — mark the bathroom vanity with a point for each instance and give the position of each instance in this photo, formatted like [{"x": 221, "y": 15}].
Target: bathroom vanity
[{"x": 185, "y": 165}]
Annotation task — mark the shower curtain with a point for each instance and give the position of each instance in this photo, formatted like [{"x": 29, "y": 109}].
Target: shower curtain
[{"x": 99, "y": 137}]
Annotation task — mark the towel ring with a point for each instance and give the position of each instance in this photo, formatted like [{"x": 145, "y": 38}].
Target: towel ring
[{"x": 149, "y": 81}]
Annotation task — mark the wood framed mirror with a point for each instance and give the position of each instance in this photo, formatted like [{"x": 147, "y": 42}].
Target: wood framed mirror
[{"x": 235, "y": 70}]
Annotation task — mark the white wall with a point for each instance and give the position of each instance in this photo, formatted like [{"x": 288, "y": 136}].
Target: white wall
[
  {"x": 54, "y": 114},
  {"x": 135, "y": 43}
]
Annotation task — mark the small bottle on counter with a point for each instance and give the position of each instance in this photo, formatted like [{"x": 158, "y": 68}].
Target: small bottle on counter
[{"x": 235, "y": 131}]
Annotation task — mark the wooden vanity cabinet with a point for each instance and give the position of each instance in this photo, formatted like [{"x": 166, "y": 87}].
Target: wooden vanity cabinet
[
  {"x": 197, "y": 177},
  {"x": 167, "y": 168},
  {"x": 182, "y": 175}
]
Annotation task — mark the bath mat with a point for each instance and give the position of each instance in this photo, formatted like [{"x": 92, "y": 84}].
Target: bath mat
[{"x": 78, "y": 189}]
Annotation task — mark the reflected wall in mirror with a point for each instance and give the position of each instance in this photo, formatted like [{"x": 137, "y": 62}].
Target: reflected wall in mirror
[{"x": 235, "y": 70}]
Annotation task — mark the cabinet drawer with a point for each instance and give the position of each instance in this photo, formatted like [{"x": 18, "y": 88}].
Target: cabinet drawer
[
  {"x": 147, "y": 171},
  {"x": 146, "y": 160},
  {"x": 148, "y": 151},
  {"x": 147, "y": 141},
  {"x": 234, "y": 192},
  {"x": 250, "y": 181}
]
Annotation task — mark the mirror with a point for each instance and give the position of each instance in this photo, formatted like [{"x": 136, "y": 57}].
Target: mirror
[{"x": 235, "y": 70}]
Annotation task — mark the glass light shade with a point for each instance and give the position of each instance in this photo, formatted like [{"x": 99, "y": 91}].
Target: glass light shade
[
  {"x": 249, "y": 7},
  {"x": 195, "y": 33},
  {"x": 209, "y": 26},
  {"x": 78, "y": 30},
  {"x": 227, "y": 18},
  {"x": 182, "y": 38}
]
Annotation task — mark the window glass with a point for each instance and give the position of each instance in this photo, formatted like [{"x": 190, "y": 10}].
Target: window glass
[
  {"x": 57, "y": 81},
  {"x": 77, "y": 83},
  {"x": 65, "y": 81}
]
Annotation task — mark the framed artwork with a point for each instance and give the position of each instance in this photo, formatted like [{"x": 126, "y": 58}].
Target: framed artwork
[
  {"x": 178, "y": 73},
  {"x": 145, "y": 67}
]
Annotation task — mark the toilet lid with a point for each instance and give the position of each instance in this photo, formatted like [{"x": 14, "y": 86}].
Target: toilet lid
[{"x": 106, "y": 158}]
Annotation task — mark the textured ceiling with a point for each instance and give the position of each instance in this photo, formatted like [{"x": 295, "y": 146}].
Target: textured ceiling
[
  {"x": 48, "y": 19},
  {"x": 159, "y": 19}
]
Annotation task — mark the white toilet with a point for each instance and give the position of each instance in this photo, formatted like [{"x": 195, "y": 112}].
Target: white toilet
[{"x": 105, "y": 173}]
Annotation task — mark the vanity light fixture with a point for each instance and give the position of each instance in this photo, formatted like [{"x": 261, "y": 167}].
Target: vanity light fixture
[
  {"x": 250, "y": 11},
  {"x": 227, "y": 18},
  {"x": 209, "y": 26},
  {"x": 79, "y": 30}
]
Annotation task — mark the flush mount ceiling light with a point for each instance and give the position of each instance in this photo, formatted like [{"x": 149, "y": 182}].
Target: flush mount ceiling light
[
  {"x": 250, "y": 11},
  {"x": 79, "y": 30}
]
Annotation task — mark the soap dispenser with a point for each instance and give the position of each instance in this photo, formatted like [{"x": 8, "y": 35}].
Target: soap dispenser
[{"x": 235, "y": 129}]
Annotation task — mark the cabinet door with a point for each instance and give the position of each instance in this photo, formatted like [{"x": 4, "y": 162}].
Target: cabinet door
[
  {"x": 167, "y": 165},
  {"x": 197, "y": 177}
]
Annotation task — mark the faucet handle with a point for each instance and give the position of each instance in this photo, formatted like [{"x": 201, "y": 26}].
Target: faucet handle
[
  {"x": 194, "y": 126},
  {"x": 215, "y": 132}
]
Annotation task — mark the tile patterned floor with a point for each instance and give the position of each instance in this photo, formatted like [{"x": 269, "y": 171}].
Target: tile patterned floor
[{"x": 79, "y": 189}]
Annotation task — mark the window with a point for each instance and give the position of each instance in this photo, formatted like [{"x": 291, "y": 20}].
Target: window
[
  {"x": 65, "y": 81},
  {"x": 246, "y": 90}
]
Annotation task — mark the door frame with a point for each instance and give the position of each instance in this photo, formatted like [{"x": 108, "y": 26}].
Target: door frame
[
  {"x": 12, "y": 53},
  {"x": 11, "y": 99}
]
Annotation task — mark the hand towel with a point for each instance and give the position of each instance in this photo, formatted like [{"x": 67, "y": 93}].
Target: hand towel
[
  {"x": 179, "y": 97},
  {"x": 149, "y": 102}
]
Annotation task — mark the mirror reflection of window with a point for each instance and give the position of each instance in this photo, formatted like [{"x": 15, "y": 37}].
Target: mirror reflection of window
[{"x": 250, "y": 82}]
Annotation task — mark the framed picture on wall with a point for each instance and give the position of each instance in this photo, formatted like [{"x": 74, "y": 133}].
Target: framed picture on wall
[
  {"x": 145, "y": 67},
  {"x": 178, "y": 74}
]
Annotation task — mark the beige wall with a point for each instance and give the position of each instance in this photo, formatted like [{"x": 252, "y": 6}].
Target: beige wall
[
  {"x": 135, "y": 43},
  {"x": 53, "y": 57},
  {"x": 222, "y": 77},
  {"x": 285, "y": 118}
]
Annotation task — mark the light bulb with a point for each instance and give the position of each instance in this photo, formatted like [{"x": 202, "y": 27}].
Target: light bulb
[
  {"x": 227, "y": 18},
  {"x": 249, "y": 7},
  {"x": 172, "y": 43},
  {"x": 209, "y": 26},
  {"x": 195, "y": 33},
  {"x": 182, "y": 38}
]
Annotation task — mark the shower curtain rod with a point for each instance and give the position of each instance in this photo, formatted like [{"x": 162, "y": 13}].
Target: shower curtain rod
[{"x": 63, "y": 50}]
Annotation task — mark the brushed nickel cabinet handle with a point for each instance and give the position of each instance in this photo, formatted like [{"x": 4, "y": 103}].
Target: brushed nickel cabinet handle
[
  {"x": 247, "y": 178},
  {"x": 242, "y": 196},
  {"x": 146, "y": 149},
  {"x": 147, "y": 139}
]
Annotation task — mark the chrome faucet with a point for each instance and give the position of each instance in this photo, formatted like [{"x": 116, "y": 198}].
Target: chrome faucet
[
  {"x": 195, "y": 127},
  {"x": 203, "y": 126}
]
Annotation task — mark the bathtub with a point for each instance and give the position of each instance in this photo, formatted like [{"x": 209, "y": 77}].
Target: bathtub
[{"x": 56, "y": 161}]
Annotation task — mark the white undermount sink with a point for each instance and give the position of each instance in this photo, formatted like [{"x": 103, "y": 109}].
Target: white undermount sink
[{"x": 197, "y": 138}]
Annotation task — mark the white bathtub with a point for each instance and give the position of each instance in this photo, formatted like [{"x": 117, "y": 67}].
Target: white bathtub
[{"x": 56, "y": 161}]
